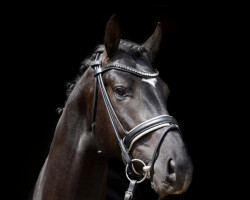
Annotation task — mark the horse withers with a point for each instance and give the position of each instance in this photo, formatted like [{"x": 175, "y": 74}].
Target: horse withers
[{"x": 117, "y": 108}]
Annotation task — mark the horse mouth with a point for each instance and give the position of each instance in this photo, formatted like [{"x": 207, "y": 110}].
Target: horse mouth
[{"x": 163, "y": 188}]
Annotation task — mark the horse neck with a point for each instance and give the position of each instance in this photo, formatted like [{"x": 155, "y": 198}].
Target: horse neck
[{"x": 73, "y": 169}]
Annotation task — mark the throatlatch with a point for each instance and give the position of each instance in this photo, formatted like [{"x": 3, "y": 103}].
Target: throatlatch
[{"x": 135, "y": 133}]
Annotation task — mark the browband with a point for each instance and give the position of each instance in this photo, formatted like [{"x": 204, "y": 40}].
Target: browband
[{"x": 126, "y": 68}]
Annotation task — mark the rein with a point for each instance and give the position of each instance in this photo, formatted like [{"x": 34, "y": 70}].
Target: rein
[{"x": 135, "y": 133}]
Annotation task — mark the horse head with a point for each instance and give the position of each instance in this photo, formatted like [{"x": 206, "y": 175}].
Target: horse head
[{"x": 137, "y": 100}]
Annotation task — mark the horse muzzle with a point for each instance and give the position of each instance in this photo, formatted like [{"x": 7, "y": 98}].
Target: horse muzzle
[{"x": 173, "y": 168}]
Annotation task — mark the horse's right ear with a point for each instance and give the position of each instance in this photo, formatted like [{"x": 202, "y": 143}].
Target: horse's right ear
[{"x": 112, "y": 36}]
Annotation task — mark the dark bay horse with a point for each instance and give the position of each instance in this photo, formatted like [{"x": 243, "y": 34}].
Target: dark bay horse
[{"x": 117, "y": 108}]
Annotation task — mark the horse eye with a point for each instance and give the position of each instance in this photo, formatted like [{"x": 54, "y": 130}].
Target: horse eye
[{"x": 120, "y": 91}]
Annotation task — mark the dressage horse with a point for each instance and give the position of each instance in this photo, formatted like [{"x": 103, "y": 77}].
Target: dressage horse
[{"x": 116, "y": 109}]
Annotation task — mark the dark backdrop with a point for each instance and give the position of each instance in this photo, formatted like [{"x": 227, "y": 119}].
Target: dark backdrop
[{"x": 46, "y": 44}]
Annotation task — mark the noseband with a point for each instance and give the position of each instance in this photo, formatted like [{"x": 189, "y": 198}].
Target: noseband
[{"x": 135, "y": 133}]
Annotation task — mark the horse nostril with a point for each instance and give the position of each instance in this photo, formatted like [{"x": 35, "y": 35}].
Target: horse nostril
[
  {"x": 171, "y": 174},
  {"x": 171, "y": 166}
]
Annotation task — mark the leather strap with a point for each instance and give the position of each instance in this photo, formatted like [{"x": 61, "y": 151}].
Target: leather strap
[
  {"x": 95, "y": 65},
  {"x": 112, "y": 115},
  {"x": 148, "y": 125},
  {"x": 157, "y": 148},
  {"x": 131, "y": 189}
]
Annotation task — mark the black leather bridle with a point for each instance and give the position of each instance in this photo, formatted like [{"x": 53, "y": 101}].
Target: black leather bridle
[{"x": 138, "y": 131}]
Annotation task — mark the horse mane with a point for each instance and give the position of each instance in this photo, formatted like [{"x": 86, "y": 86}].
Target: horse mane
[{"x": 83, "y": 67}]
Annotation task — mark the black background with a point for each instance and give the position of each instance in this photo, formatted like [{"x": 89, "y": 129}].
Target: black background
[{"x": 45, "y": 44}]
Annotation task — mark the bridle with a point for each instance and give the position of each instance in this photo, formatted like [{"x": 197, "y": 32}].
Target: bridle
[{"x": 135, "y": 133}]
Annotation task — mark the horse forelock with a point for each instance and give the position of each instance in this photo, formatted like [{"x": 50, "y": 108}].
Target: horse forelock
[{"x": 130, "y": 47}]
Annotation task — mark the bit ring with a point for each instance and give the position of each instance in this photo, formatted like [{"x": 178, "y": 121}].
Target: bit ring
[{"x": 126, "y": 170}]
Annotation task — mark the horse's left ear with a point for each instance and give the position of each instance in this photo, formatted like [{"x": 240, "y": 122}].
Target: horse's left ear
[
  {"x": 112, "y": 37},
  {"x": 153, "y": 43}
]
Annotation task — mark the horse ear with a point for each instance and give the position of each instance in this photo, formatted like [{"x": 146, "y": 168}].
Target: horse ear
[
  {"x": 112, "y": 36},
  {"x": 153, "y": 43}
]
